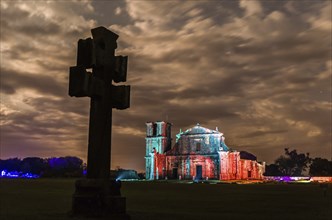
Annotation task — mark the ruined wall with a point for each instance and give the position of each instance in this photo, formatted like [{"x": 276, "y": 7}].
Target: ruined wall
[
  {"x": 185, "y": 167},
  {"x": 223, "y": 166},
  {"x": 158, "y": 141},
  {"x": 149, "y": 166},
  {"x": 160, "y": 168},
  {"x": 232, "y": 167},
  {"x": 195, "y": 155}
]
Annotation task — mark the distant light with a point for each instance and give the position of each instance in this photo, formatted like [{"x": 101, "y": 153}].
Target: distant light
[
  {"x": 120, "y": 177},
  {"x": 288, "y": 178},
  {"x": 15, "y": 174}
]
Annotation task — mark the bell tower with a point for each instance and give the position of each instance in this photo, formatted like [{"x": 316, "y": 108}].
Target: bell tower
[{"x": 158, "y": 140}]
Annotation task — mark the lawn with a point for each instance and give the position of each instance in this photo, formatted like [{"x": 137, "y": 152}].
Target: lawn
[{"x": 50, "y": 199}]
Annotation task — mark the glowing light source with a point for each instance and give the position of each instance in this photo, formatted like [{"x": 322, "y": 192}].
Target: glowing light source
[
  {"x": 15, "y": 174},
  {"x": 288, "y": 178}
]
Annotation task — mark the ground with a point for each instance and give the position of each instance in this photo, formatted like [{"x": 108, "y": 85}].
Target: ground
[{"x": 50, "y": 199}]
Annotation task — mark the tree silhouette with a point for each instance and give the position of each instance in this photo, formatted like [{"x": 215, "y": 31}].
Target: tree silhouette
[
  {"x": 11, "y": 164},
  {"x": 34, "y": 165},
  {"x": 272, "y": 170},
  {"x": 293, "y": 163},
  {"x": 320, "y": 167},
  {"x": 68, "y": 166}
]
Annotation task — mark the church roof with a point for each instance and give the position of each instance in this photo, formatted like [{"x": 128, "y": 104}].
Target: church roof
[
  {"x": 199, "y": 130},
  {"x": 248, "y": 156}
]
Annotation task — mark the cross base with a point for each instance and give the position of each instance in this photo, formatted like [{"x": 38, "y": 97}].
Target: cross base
[{"x": 99, "y": 198}]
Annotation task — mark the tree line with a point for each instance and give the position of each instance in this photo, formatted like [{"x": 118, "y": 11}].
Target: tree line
[
  {"x": 290, "y": 164},
  {"x": 296, "y": 164},
  {"x": 68, "y": 166}
]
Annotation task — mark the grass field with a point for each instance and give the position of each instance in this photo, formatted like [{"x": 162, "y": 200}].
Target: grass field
[{"x": 50, "y": 199}]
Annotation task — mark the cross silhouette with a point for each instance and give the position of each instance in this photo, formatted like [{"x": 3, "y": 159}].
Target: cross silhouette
[
  {"x": 98, "y": 195},
  {"x": 98, "y": 54}
]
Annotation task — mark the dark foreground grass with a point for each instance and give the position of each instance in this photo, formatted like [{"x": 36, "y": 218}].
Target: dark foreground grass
[{"x": 50, "y": 199}]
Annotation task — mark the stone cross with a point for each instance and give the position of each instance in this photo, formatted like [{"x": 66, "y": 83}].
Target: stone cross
[
  {"x": 98, "y": 195},
  {"x": 98, "y": 54}
]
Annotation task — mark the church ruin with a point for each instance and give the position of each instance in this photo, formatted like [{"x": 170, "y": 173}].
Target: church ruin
[{"x": 198, "y": 153}]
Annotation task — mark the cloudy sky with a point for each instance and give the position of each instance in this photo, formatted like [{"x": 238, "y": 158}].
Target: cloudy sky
[{"x": 260, "y": 71}]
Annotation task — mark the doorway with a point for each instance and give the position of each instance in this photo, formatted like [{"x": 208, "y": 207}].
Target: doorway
[
  {"x": 249, "y": 173},
  {"x": 199, "y": 172},
  {"x": 175, "y": 173}
]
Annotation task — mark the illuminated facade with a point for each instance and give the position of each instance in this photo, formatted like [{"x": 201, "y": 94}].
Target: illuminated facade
[{"x": 199, "y": 153}]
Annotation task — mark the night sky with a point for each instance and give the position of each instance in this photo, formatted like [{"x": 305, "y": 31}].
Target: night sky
[{"x": 260, "y": 71}]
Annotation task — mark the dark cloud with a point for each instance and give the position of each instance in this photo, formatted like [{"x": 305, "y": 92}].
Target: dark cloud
[
  {"x": 113, "y": 12},
  {"x": 33, "y": 30},
  {"x": 44, "y": 84},
  {"x": 261, "y": 133},
  {"x": 258, "y": 70}
]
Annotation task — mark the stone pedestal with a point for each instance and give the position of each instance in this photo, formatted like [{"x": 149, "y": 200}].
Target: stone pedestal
[{"x": 99, "y": 198}]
